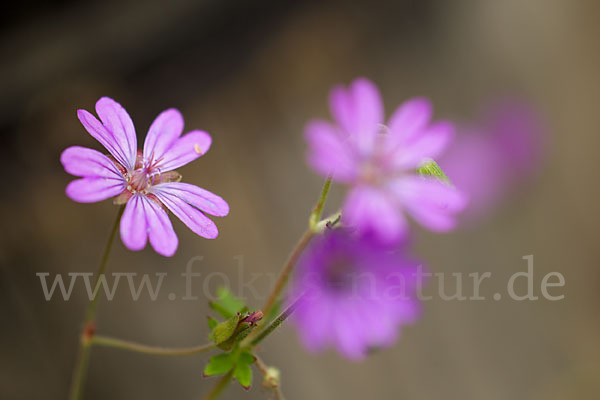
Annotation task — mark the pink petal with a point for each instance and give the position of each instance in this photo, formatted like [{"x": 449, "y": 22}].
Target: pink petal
[
  {"x": 134, "y": 227},
  {"x": 371, "y": 211},
  {"x": 90, "y": 190},
  {"x": 115, "y": 132},
  {"x": 160, "y": 230},
  {"x": 328, "y": 153},
  {"x": 202, "y": 199},
  {"x": 199, "y": 223},
  {"x": 119, "y": 123},
  {"x": 349, "y": 332},
  {"x": 359, "y": 111},
  {"x": 315, "y": 317},
  {"x": 185, "y": 149},
  {"x": 409, "y": 118},
  {"x": 81, "y": 161},
  {"x": 432, "y": 203},
  {"x": 424, "y": 144},
  {"x": 163, "y": 132}
]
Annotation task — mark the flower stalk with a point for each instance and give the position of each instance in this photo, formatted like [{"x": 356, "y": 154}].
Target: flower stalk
[
  {"x": 219, "y": 386},
  {"x": 276, "y": 322},
  {"x": 151, "y": 350},
  {"x": 80, "y": 371}
]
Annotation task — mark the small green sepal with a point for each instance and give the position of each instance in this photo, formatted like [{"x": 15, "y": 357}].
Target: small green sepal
[{"x": 431, "y": 168}]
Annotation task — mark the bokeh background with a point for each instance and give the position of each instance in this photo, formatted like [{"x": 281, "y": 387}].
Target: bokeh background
[{"x": 252, "y": 74}]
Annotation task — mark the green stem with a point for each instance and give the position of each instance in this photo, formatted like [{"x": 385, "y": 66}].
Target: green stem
[
  {"x": 80, "y": 371},
  {"x": 142, "y": 348},
  {"x": 219, "y": 386},
  {"x": 292, "y": 259},
  {"x": 286, "y": 271},
  {"x": 276, "y": 322}
]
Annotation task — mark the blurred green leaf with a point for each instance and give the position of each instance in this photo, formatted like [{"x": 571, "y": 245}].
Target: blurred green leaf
[
  {"x": 219, "y": 364},
  {"x": 227, "y": 305},
  {"x": 242, "y": 371},
  {"x": 224, "y": 330},
  {"x": 212, "y": 323}
]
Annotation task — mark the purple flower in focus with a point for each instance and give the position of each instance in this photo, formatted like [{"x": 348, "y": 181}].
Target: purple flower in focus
[
  {"x": 378, "y": 162},
  {"x": 491, "y": 158},
  {"x": 145, "y": 180},
  {"x": 354, "y": 294}
]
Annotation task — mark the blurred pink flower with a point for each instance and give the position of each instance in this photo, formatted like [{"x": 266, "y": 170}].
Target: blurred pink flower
[
  {"x": 488, "y": 160},
  {"x": 145, "y": 180},
  {"x": 354, "y": 294},
  {"x": 379, "y": 162}
]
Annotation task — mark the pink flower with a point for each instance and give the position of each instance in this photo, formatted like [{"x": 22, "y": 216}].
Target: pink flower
[
  {"x": 145, "y": 180},
  {"x": 379, "y": 162},
  {"x": 354, "y": 294}
]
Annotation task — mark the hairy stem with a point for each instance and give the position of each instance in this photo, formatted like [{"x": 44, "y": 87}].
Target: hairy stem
[
  {"x": 276, "y": 322},
  {"x": 286, "y": 271},
  {"x": 80, "y": 371},
  {"x": 293, "y": 259},
  {"x": 219, "y": 386},
  {"x": 142, "y": 348}
]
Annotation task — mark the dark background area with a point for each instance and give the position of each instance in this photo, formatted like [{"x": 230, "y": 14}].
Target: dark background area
[{"x": 252, "y": 74}]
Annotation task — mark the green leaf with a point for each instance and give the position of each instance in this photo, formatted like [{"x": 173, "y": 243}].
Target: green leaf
[
  {"x": 212, "y": 323},
  {"x": 222, "y": 311},
  {"x": 224, "y": 330},
  {"x": 227, "y": 304},
  {"x": 246, "y": 357},
  {"x": 431, "y": 168},
  {"x": 242, "y": 371},
  {"x": 219, "y": 364},
  {"x": 229, "y": 301}
]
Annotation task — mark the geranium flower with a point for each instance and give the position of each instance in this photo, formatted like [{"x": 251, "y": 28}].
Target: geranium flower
[
  {"x": 379, "y": 162},
  {"x": 145, "y": 180},
  {"x": 353, "y": 294}
]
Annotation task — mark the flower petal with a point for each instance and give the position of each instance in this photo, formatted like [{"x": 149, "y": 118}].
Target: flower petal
[
  {"x": 349, "y": 331},
  {"x": 328, "y": 153},
  {"x": 81, "y": 161},
  {"x": 185, "y": 149},
  {"x": 90, "y": 190},
  {"x": 313, "y": 317},
  {"x": 199, "y": 223},
  {"x": 359, "y": 111},
  {"x": 202, "y": 199},
  {"x": 425, "y": 144},
  {"x": 119, "y": 123},
  {"x": 160, "y": 230},
  {"x": 115, "y": 132},
  {"x": 163, "y": 132},
  {"x": 409, "y": 118},
  {"x": 431, "y": 202},
  {"x": 134, "y": 227},
  {"x": 372, "y": 212}
]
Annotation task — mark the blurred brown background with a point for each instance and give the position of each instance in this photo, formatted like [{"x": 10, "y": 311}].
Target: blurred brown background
[{"x": 252, "y": 73}]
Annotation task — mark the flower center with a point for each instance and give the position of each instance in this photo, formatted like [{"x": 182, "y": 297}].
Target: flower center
[
  {"x": 377, "y": 167},
  {"x": 341, "y": 274},
  {"x": 147, "y": 174},
  {"x": 140, "y": 180}
]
